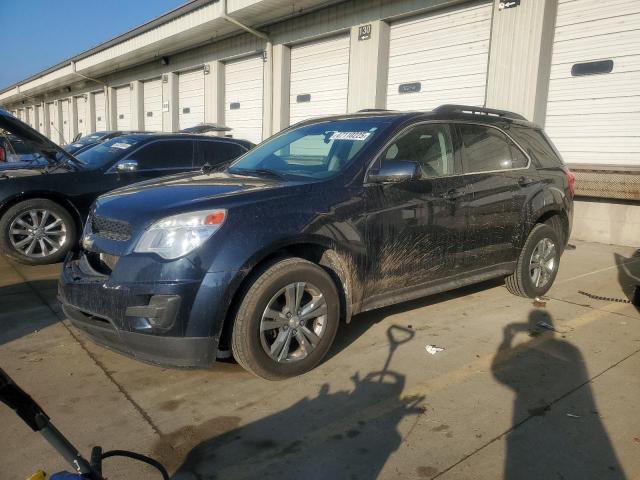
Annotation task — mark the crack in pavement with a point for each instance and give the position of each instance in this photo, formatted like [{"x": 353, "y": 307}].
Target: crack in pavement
[{"x": 97, "y": 362}]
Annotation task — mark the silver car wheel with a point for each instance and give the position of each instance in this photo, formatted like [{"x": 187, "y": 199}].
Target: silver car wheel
[
  {"x": 37, "y": 233},
  {"x": 543, "y": 262},
  {"x": 293, "y": 322}
]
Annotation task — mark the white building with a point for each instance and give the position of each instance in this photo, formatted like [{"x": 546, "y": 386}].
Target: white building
[{"x": 258, "y": 66}]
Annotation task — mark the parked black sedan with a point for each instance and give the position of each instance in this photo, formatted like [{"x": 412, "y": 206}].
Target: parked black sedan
[{"x": 42, "y": 210}]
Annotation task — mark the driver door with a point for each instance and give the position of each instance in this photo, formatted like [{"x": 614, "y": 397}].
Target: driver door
[{"x": 412, "y": 225}]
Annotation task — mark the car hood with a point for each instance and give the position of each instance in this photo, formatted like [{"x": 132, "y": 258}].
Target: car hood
[{"x": 145, "y": 202}]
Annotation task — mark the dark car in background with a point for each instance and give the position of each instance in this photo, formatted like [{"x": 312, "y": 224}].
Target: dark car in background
[
  {"x": 88, "y": 141},
  {"x": 42, "y": 210},
  {"x": 329, "y": 218}
]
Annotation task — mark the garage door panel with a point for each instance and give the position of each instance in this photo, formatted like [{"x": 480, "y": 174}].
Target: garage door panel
[
  {"x": 243, "y": 89},
  {"x": 589, "y": 117},
  {"x": 445, "y": 20},
  {"x": 592, "y": 87},
  {"x": 123, "y": 107},
  {"x": 613, "y": 45},
  {"x": 66, "y": 121},
  {"x": 576, "y": 12},
  {"x": 447, "y": 53},
  {"x": 152, "y": 105},
  {"x": 81, "y": 112},
  {"x": 41, "y": 125},
  {"x": 319, "y": 69},
  {"x": 595, "y": 28},
  {"x": 191, "y": 98},
  {"x": 100, "y": 113}
]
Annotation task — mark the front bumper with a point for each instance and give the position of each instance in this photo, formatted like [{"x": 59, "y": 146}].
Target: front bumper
[{"x": 161, "y": 322}]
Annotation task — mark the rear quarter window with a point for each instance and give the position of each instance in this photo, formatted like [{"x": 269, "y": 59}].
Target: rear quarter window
[{"x": 537, "y": 145}]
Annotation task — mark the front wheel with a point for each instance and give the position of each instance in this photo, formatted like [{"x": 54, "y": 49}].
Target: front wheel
[
  {"x": 37, "y": 232},
  {"x": 537, "y": 264},
  {"x": 287, "y": 320}
]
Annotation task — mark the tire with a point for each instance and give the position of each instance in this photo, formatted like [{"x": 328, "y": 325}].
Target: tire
[
  {"x": 249, "y": 343},
  {"x": 522, "y": 282},
  {"x": 57, "y": 239}
]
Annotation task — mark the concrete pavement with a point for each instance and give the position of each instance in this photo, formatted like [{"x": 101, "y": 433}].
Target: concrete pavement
[{"x": 507, "y": 398}]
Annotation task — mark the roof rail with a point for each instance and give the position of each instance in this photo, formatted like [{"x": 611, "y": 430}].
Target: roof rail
[{"x": 478, "y": 111}]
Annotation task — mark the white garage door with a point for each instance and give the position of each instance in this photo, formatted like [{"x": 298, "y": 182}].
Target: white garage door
[
  {"x": 66, "y": 120},
  {"x": 101, "y": 111},
  {"x": 123, "y": 107},
  {"x": 190, "y": 98},
  {"x": 592, "y": 115},
  {"x": 152, "y": 115},
  {"x": 29, "y": 116},
  {"x": 81, "y": 110},
  {"x": 52, "y": 118},
  {"x": 21, "y": 114},
  {"x": 319, "y": 78},
  {"x": 40, "y": 120},
  {"x": 243, "y": 98},
  {"x": 439, "y": 58}
]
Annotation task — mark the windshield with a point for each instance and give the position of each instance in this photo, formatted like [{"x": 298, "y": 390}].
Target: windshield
[
  {"x": 318, "y": 151},
  {"x": 106, "y": 153},
  {"x": 86, "y": 140}
]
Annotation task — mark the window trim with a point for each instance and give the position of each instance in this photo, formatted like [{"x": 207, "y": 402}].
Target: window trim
[
  {"x": 454, "y": 134},
  {"x": 526, "y": 155}
]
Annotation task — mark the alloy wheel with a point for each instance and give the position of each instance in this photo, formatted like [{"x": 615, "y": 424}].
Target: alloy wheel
[
  {"x": 293, "y": 322},
  {"x": 543, "y": 262},
  {"x": 37, "y": 233}
]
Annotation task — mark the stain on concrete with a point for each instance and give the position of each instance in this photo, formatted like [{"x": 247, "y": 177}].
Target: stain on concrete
[
  {"x": 426, "y": 472},
  {"x": 171, "y": 405},
  {"x": 440, "y": 428},
  {"x": 171, "y": 449}
]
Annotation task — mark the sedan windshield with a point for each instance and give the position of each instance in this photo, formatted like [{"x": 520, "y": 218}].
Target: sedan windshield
[
  {"x": 318, "y": 151},
  {"x": 107, "y": 153}
]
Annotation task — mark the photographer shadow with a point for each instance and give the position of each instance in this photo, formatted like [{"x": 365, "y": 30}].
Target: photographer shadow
[
  {"x": 557, "y": 431},
  {"x": 347, "y": 434}
]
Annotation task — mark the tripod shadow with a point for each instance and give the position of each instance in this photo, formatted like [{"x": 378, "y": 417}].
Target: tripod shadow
[
  {"x": 343, "y": 434},
  {"x": 629, "y": 276},
  {"x": 554, "y": 434}
]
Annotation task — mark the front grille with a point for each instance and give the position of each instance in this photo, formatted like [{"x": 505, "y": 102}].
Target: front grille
[{"x": 110, "y": 229}]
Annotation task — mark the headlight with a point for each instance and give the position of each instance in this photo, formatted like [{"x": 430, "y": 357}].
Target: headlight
[{"x": 175, "y": 236}]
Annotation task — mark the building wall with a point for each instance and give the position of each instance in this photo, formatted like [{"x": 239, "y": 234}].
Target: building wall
[{"x": 517, "y": 75}]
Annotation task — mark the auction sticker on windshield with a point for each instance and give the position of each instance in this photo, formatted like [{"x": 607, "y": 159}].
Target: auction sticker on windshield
[{"x": 358, "y": 136}]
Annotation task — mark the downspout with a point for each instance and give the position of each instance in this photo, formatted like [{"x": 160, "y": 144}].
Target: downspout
[
  {"x": 269, "y": 59},
  {"x": 106, "y": 91}
]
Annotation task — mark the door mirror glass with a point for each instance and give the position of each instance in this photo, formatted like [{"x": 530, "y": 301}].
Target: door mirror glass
[
  {"x": 395, "y": 171},
  {"x": 127, "y": 166}
]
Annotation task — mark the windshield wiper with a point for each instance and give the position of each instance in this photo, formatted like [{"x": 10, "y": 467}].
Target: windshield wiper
[{"x": 258, "y": 171}]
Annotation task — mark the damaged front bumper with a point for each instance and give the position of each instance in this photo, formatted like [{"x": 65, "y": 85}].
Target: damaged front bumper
[{"x": 160, "y": 322}]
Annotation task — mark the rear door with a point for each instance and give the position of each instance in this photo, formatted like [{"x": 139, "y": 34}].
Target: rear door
[{"x": 499, "y": 178}]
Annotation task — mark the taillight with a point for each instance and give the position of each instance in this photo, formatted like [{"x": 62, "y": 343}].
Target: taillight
[
  {"x": 3, "y": 155},
  {"x": 571, "y": 180}
]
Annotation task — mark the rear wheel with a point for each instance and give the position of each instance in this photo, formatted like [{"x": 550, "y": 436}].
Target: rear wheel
[
  {"x": 37, "y": 232},
  {"x": 537, "y": 264},
  {"x": 287, "y": 320}
]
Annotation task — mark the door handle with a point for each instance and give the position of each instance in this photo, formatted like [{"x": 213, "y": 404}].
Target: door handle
[
  {"x": 452, "y": 195},
  {"x": 525, "y": 181}
]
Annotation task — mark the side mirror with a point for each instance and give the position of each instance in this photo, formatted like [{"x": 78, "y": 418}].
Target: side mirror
[
  {"x": 77, "y": 137},
  {"x": 395, "y": 171},
  {"x": 127, "y": 166}
]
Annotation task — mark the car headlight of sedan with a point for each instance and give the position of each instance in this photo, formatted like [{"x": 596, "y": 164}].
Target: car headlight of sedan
[{"x": 175, "y": 236}]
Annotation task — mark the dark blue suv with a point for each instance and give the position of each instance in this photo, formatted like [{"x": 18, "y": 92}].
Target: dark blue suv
[{"x": 329, "y": 218}]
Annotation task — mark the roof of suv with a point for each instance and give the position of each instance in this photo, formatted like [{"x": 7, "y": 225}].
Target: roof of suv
[
  {"x": 148, "y": 136},
  {"x": 444, "y": 112}
]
